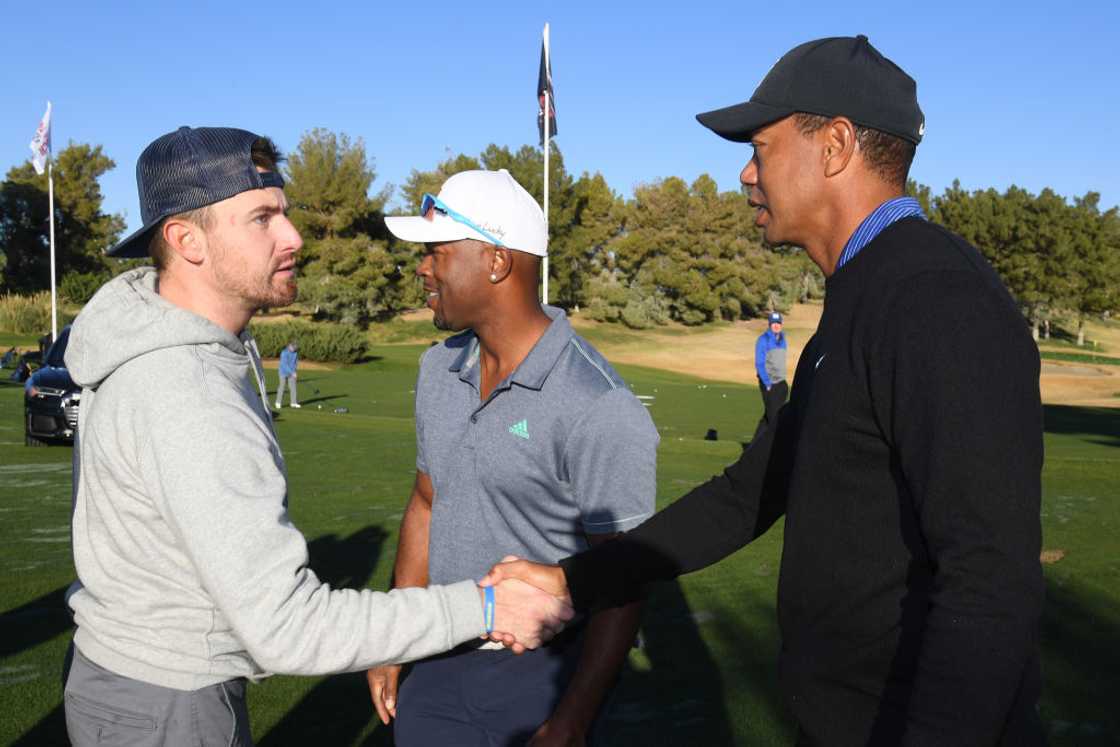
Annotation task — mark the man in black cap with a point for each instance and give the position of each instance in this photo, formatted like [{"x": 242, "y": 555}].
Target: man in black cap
[
  {"x": 191, "y": 576},
  {"x": 907, "y": 462}
]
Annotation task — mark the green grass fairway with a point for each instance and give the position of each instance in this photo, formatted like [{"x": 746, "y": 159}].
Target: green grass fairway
[
  {"x": 707, "y": 673},
  {"x": 1098, "y": 360}
]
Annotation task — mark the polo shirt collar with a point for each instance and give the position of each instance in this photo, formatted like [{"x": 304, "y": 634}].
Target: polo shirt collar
[
  {"x": 537, "y": 364},
  {"x": 542, "y": 358},
  {"x": 464, "y": 363}
]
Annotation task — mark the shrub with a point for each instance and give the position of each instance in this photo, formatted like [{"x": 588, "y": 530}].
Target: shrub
[
  {"x": 607, "y": 297},
  {"x": 79, "y": 287},
  {"x": 601, "y": 310},
  {"x": 334, "y": 343},
  {"x": 635, "y": 305},
  {"x": 643, "y": 311},
  {"x": 30, "y": 315}
]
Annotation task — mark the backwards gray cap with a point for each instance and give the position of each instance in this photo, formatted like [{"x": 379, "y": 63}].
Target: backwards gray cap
[{"x": 188, "y": 169}]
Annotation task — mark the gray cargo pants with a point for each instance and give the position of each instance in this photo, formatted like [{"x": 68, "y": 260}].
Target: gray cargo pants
[
  {"x": 103, "y": 708},
  {"x": 291, "y": 382}
]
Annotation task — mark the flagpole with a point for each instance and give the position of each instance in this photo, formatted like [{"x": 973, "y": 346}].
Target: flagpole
[
  {"x": 50, "y": 207},
  {"x": 547, "y": 110},
  {"x": 40, "y": 153}
]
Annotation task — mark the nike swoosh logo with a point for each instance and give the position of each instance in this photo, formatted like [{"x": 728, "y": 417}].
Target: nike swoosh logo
[{"x": 818, "y": 364}]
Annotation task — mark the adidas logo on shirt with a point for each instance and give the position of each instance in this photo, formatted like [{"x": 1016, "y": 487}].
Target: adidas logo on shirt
[{"x": 520, "y": 429}]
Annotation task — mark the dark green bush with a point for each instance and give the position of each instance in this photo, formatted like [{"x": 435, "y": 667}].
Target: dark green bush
[
  {"x": 328, "y": 343},
  {"x": 79, "y": 287}
]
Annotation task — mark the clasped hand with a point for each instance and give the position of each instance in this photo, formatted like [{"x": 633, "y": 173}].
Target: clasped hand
[
  {"x": 530, "y": 607},
  {"x": 537, "y": 603}
]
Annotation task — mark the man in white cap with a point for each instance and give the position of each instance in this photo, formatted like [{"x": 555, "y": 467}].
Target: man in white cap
[{"x": 528, "y": 442}]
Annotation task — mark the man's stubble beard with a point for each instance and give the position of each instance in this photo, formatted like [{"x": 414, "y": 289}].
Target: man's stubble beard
[{"x": 232, "y": 274}]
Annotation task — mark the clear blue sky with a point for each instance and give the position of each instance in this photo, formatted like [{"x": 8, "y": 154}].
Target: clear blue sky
[{"x": 1028, "y": 95}]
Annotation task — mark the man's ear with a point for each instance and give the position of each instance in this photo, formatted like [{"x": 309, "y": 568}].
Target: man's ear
[
  {"x": 186, "y": 239},
  {"x": 839, "y": 145},
  {"x": 501, "y": 264}
]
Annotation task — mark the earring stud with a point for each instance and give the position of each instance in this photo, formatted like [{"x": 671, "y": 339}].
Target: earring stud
[{"x": 493, "y": 277}]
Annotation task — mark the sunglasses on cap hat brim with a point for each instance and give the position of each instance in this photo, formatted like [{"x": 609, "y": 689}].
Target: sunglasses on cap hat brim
[{"x": 430, "y": 205}]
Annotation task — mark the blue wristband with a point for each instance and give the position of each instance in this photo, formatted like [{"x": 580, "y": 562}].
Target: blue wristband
[{"x": 488, "y": 609}]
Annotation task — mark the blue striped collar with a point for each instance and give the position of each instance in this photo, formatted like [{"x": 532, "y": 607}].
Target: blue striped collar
[{"x": 881, "y": 217}]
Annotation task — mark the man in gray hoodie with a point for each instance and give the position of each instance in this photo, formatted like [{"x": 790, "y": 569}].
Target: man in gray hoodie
[{"x": 192, "y": 578}]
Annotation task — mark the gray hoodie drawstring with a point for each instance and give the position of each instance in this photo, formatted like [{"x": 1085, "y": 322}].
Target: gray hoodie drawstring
[{"x": 258, "y": 372}]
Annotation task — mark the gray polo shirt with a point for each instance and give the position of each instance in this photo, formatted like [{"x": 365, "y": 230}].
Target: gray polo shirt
[{"x": 559, "y": 450}]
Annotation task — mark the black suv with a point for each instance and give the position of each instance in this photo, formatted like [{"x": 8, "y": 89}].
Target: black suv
[{"x": 50, "y": 399}]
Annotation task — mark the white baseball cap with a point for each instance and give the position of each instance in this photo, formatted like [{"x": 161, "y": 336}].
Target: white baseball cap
[{"x": 488, "y": 206}]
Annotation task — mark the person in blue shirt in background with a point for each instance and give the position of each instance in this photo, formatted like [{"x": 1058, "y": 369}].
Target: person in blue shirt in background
[
  {"x": 770, "y": 365},
  {"x": 289, "y": 359}
]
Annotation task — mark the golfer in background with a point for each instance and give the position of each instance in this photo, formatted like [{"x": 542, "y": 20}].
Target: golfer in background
[
  {"x": 770, "y": 367},
  {"x": 289, "y": 361}
]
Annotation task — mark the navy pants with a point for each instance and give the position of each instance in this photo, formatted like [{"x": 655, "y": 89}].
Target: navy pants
[
  {"x": 483, "y": 698},
  {"x": 772, "y": 401}
]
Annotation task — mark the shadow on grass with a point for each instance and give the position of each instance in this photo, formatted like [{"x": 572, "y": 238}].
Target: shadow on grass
[
  {"x": 28, "y": 626},
  {"x": 337, "y": 709},
  {"x": 1102, "y": 424},
  {"x": 334, "y": 712},
  {"x": 51, "y": 730},
  {"x": 680, "y": 698},
  {"x": 1080, "y": 666},
  {"x": 347, "y": 563},
  {"x": 36, "y": 622},
  {"x": 319, "y": 400}
]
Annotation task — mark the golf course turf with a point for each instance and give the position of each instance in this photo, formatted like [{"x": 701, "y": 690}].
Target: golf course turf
[{"x": 705, "y": 673}]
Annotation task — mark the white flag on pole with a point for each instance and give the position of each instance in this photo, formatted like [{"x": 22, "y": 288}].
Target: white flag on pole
[{"x": 41, "y": 145}]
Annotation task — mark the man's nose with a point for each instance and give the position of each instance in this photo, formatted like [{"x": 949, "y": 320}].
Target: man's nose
[
  {"x": 290, "y": 237},
  {"x": 748, "y": 177}
]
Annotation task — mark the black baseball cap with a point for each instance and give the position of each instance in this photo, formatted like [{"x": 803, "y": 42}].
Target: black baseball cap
[
  {"x": 834, "y": 77},
  {"x": 188, "y": 169}
]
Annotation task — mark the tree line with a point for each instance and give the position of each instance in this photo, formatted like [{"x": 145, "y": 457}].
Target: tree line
[{"x": 674, "y": 251}]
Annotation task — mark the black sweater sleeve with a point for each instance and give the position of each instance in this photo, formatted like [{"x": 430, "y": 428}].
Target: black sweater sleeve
[
  {"x": 699, "y": 529},
  {"x": 955, "y": 386}
]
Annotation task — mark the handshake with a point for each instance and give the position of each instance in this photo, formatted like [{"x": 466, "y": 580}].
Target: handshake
[
  {"x": 531, "y": 602},
  {"x": 531, "y": 605}
]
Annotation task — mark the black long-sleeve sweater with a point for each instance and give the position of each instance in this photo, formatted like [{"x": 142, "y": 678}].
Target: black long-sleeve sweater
[{"x": 907, "y": 465}]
